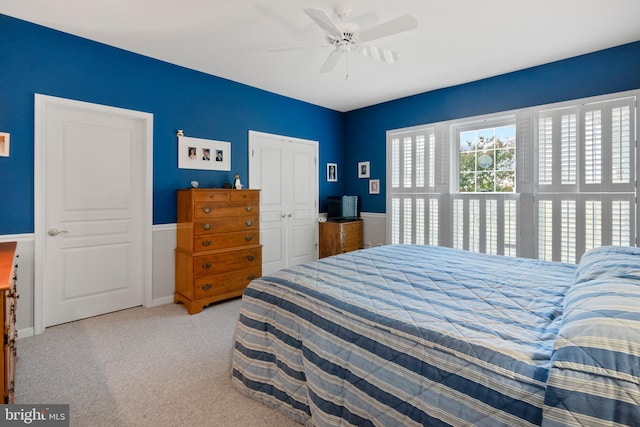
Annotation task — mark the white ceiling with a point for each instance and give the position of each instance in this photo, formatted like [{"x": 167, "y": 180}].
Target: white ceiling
[{"x": 456, "y": 41}]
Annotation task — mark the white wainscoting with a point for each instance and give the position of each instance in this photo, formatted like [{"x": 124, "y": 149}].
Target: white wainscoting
[
  {"x": 374, "y": 229},
  {"x": 164, "y": 244}
]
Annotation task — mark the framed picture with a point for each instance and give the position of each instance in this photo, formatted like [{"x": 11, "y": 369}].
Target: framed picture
[
  {"x": 363, "y": 169},
  {"x": 332, "y": 172},
  {"x": 374, "y": 186},
  {"x": 197, "y": 153},
  {"x": 4, "y": 144}
]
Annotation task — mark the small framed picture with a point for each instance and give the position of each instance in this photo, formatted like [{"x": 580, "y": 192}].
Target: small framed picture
[
  {"x": 363, "y": 169},
  {"x": 332, "y": 172},
  {"x": 374, "y": 186},
  {"x": 4, "y": 144}
]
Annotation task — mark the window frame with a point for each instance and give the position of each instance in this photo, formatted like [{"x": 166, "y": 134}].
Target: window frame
[{"x": 471, "y": 125}]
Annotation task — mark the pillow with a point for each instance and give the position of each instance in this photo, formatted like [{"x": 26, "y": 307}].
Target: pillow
[
  {"x": 594, "y": 376},
  {"x": 609, "y": 261}
]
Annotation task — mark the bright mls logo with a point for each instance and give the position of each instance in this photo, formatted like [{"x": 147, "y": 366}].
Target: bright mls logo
[{"x": 34, "y": 415}]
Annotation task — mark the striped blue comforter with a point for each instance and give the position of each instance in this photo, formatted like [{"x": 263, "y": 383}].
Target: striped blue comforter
[{"x": 404, "y": 335}]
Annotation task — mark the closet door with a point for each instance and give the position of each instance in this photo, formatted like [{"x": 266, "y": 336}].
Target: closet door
[{"x": 286, "y": 171}]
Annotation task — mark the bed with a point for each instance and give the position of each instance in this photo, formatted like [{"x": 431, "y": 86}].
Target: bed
[{"x": 423, "y": 335}]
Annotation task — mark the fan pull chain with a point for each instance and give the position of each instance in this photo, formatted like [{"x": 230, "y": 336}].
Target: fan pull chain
[{"x": 346, "y": 77}]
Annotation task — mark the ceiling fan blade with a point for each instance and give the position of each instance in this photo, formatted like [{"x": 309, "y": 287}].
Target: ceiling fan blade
[
  {"x": 331, "y": 61},
  {"x": 323, "y": 20},
  {"x": 384, "y": 55},
  {"x": 397, "y": 25}
]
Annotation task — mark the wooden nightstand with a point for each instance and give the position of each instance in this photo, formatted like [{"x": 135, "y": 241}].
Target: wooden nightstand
[{"x": 338, "y": 237}]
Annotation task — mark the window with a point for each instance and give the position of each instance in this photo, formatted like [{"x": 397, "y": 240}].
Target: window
[
  {"x": 487, "y": 159},
  {"x": 548, "y": 183}
]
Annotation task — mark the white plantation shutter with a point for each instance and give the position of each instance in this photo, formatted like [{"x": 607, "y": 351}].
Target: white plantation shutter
[
  {"x": 395, "y": 163},
  {"x": 510, "y": 222},
  {"x": 593, "y": 224},
  {"x": 569, "y": 142},
  {"x": 545, "y": 157},
  {"x": 621, "y": 148},
  {"x": 588, "y": 203},
  {"x": 545, "y": 230},
  {"x": 458, "y": 224},
  {"x": 486, "y": 223},
  {"x": 592, "y": 147},
  {"x": 557, "y": 150},
  {"x": 474, "y": 225},
  {"x": 609, "y": 146},
  {"x": 434, "y": 223},
  {"x": 420, "y": 163},
  {"x": 395, "y": 216},
  {"x": 621, "y": 225},
  {"x": 491, "y": 227},
  {"x": 407, "y": 155},
  {"x": 568, "y": 230},
  {"x": 412, "y": 197}
]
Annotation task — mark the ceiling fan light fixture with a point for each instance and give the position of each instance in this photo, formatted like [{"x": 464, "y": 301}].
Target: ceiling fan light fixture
[{"x": 345, "y": 36}]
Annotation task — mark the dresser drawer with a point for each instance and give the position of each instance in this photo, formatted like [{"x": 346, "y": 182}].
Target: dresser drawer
[
  {"x": 210, "y": 242},
  {"x": 225, "y": 282},
  {"x": 240, "y": 196},
  {"x": 227, "y": 261},
  {"x": 350, "y": 248},
  {"x": 351, "y": 241},
  {"x": 210, "y": 196},
  {"x": 226, "y": 224},
  {"x": 217, "y": 210},
  {"x": 350, "y": 227}
]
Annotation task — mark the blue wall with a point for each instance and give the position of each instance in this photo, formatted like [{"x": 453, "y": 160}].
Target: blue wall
[
  {"x": 40, "y": 60},
  {"x": 612, "y": 70},
  {"x": 36, "y": 59}
]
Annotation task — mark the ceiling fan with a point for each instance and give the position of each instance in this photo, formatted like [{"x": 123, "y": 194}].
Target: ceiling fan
[{"x": 346, "y": 37}]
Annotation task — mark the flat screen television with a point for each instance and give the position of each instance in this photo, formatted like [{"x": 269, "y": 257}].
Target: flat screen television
[{"x": 341, "y": 208}]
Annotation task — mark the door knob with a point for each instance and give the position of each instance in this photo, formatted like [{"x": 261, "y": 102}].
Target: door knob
[{"x": 55, "y": 232}]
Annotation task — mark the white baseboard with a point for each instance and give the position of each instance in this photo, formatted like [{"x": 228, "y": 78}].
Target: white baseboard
[
  {"x": 25, "y": 332},
  {"x": 162, "y": 301}
]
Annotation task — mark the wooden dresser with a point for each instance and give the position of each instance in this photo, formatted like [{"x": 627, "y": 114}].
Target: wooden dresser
[
  {"x": 218, "y": 250},
  {"x": 340, "y": 237},
  {"x": 8, "y": 315}
]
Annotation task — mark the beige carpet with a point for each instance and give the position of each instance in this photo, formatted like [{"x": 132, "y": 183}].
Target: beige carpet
[{"x": 141, "y": 367}]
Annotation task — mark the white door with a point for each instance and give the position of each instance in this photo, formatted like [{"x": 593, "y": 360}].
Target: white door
[
  {"x": 286, "y": 171},
  {"x": 93, "y": 216}
]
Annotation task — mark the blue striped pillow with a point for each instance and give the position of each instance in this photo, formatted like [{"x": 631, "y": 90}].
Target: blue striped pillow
[
  {"x": 609, "y": 261},
  {"x": 595, "y": 365}
]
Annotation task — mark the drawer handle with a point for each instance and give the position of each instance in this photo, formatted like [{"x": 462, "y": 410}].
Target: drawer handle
[
  {"x": 249, "y": 238},
  {"x": 206, "y": 210},
  {"x": 249, "y": 223},
  {"x": 251, "y": 276},
  {"x": 206, "y": 226},
  {"x": 249, "y": 208},
  {"x": 251, "y": 258},
  {"x": 206, "y": 243},
  {"x": 206, "y": 286},
  {"x": 206, "y": 265}
]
